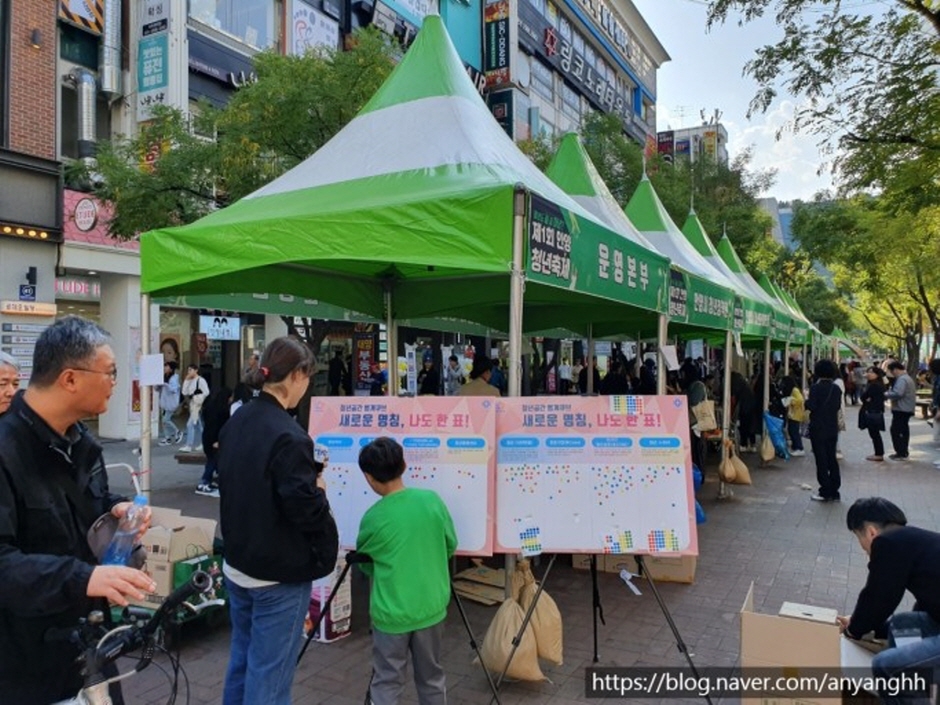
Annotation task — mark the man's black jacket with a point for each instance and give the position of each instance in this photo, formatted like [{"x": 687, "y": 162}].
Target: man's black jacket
[{"x": 45, "y": 560}]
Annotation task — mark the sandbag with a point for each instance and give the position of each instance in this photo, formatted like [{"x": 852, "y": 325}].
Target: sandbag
[
  {"x": 546, "y": 622},
  {"x": 767, "y": 452},
  {"x": 726, "y": 469},
  {"x": 497, "y": 645},
  {"x": 742, "y": 476}
]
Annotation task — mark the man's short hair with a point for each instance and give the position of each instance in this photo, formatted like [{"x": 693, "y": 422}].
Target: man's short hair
[
  {"x": 481, "y": 365},
  {"x": 69, "y": 342},
  {"x": 874, "y": 510},
  {"x": 935, "y": 366},
  {"x": 896, "y": 365},
  {"x": 383, "y": 459},
  {"x": 453, "y": 358}
]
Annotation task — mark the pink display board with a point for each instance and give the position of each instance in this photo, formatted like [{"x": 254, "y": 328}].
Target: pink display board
[
  {"x": 449, "y": 448},
  {"x": 594, "y": 475}
]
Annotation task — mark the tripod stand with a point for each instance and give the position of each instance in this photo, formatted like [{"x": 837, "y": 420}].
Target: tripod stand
[
  {"x": 680, "y": 644},
  {"x": 355, "y": 557}
]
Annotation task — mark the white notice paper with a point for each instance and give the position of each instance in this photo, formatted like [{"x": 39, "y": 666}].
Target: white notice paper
[{"x": 151, "y": 370}]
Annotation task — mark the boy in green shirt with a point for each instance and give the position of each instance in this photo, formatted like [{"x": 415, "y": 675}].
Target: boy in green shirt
[{"x": 409, "y": 535}]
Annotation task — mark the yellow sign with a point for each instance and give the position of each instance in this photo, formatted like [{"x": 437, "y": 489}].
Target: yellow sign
[
  {"x": 86, "y": 14},
  {"x": 27, "y": 308}
]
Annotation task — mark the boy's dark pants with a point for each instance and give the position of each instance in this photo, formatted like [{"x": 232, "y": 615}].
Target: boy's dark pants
[{"x": 390, "y": 657}]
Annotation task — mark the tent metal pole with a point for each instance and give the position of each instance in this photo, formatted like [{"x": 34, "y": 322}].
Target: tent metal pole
[
  {"x": 725, "y": 409},
  {"x": 803, "y": 371},
  {"x": 516, "y": 292},
  {"x": 146, "y": 397},
  {"x": 590, "y": 360},
  {"x": 662, "y": 328},
  {"x": 766, "y": 373},
  {"x": 786, "y": 358},
  {"x": 391, "y": 343}
]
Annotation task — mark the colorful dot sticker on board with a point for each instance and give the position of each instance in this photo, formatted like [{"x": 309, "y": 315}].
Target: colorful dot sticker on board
[
  {"x": 531, "y": 538},
  {"x": 618, "y": 542},
  {"x": 626, "y": 405}
]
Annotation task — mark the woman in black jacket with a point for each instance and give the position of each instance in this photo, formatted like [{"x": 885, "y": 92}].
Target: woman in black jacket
[
  {"x": 873, "y": 410},
  {"x": 825, "y": 400},
  {"x": 277, "y": 526}
]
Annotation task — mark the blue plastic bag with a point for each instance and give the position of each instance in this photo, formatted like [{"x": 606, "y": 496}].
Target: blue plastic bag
[
  {"x": 774, "y": 427},
  {"x": 699, "y": 514},
  {"x": 697, "y": 477}
]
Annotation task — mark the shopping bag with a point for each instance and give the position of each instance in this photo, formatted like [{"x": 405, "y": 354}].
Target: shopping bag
[{"x": 704, "y": 413}]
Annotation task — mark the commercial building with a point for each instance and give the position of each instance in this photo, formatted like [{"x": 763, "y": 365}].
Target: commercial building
[
  {"x": 708, "y": 141},
  {"x": 548, "y": 63}
]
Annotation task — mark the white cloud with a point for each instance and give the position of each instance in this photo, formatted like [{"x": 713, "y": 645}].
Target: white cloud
[{"x": 796, "y": 157}]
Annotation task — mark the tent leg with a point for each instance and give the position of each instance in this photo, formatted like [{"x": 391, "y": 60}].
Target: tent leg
[
  {"x": 590, "y": 360},
  {"x": 786, "y": 358},
  {"x": 146, "y": 397},
  {"x": 516, "y": 293},
  {"x": 662, "y": 328},
  {"x": 766, "y": 374},
  {"x": 391, "y": 343},
  {"x": 803, "y": 371},
  {"x": 724, "y": 491}
]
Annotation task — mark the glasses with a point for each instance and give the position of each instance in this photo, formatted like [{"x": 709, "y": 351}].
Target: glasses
[{"x": 111, "y": 373}]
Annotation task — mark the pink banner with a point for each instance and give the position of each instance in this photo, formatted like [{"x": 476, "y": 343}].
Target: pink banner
[
  {"x": 448, "y": 444},
  {"x": 594, "y": 475}
]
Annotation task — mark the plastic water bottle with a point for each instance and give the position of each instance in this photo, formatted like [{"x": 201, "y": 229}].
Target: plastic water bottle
[{"x": 122, "y": 543}]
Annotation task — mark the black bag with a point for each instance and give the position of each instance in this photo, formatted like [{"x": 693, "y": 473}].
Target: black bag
[
  {"x": 862, "y": 420},
  {"x": 873, "y": 419}
]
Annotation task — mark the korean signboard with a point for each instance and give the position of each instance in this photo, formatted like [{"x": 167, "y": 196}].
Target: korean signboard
[{"x": 497, "y": 47}]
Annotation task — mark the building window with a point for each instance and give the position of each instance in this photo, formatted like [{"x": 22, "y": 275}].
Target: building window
[
  {"x": 577, "y": 41},
  {"x": 4, "y": 70},
  {"x": 570, "y": 102},
  {"x": 590, "y": 56},
  {"x": 546, "y": 129},
  {"x": 552, "y": 14},
  {"x": 540, "y": 6},
  {"x": 249, "y": 21},
  {"x": 542, "y": 80},
  {"x": 564, "y": 28}
]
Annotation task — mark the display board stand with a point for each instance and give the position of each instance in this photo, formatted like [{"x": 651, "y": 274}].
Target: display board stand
[
  {"x": 680, "y": 644},
  {"x": 597, "y": 607}
]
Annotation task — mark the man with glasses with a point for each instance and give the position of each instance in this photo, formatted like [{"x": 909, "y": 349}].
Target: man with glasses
[{"x": 53, "y": 486}]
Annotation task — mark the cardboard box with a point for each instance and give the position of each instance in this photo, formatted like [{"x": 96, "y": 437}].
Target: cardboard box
[
  {"x": 663, "y": 569},
  {"x": 797, "y": 639},
  {"x": 173, "y": 537}
]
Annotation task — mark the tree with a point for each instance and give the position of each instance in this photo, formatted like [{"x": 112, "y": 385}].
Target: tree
[
  {"x": 180, "y": 167},
  {"x": 869, "y": 83}
]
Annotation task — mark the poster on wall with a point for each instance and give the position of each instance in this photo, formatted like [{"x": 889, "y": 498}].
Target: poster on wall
[
  {"x": 497, "y": 47},
  {"x": 594, "y": 475},
  {"x": 448, "y": 445},
  {"x": 311, "y": 29}
]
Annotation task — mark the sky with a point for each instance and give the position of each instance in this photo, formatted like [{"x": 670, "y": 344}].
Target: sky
[{"x": 706, "y": 72}]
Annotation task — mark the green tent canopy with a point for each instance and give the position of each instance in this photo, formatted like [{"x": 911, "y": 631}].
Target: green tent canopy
[
  {"x": 799, "y": 326},
  {"x": 752, "y": 317},
  {"x": 700, "y": 297},
  {"x": 414, "y": 197},
  {"x": 779, "y": 322}
]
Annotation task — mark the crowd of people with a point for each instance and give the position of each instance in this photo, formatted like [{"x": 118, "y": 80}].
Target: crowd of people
[{"x": 280, "y": 533}]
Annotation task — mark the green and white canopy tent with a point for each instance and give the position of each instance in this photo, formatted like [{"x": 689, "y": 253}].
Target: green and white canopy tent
[
  {"x": 701, "y": 298},
  {"x": 418, "y": 208},
  {"x": 780, "y": 319},
  {"x": 415, "y": 194},
  {"x": 574, "y": 172},
  {"x": 752, "y": 316}
]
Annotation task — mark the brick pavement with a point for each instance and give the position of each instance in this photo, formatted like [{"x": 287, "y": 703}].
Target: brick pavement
[{"x": 770, "y": 533}]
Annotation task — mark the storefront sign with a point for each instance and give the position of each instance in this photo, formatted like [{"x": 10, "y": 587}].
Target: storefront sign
[
  {"x": 665, "y": 144},
  {"x": 221, "y": 327},
  {"x": 156, "y": 17},
  {"x": 538, "y": 37},
  {"x": 85, "y": 14},
  {"x": 497, "y": 48},
  {"x": 364, "y": 357},
  {"x": 153, "y": 56},
  {"x": 86, "y": 214},
  {"x": 219, "y": 62},
  {"x": 311, "y": 29},
  {"x": 27, "y": 292},
  {"x": 77, "y": 289},
  {"x": 501, "y": 105},
  {"x": 27, "y": 308}
]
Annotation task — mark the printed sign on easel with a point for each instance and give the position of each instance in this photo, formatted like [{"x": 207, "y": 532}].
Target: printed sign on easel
[{"x": 594, "y": 475}]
